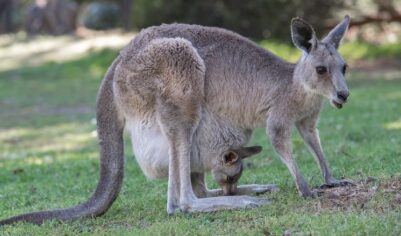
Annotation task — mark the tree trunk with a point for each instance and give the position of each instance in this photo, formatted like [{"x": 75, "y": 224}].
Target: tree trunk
[
  {"x": 6, "y": 10},
  {"x": 125, "y": 9},
  {"x": 54, "y": 17}
]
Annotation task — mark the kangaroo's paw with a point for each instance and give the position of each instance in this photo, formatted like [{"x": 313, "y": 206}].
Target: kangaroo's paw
[
  {"x": 223, "y": 203},
  {"x": 332, "y": 183}
]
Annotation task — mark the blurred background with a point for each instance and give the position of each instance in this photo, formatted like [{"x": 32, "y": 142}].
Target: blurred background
[
  {"x": 54, "y": 54},
  {"x": 39, "y": 27},
  {"x": 375, "y": 21}
]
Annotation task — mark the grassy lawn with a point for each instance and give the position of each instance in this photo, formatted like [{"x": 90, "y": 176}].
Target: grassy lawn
[{"x": 49, "y": 159}]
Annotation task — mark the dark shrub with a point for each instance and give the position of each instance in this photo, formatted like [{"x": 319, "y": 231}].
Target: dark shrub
[{"x": 100, "y": 16}]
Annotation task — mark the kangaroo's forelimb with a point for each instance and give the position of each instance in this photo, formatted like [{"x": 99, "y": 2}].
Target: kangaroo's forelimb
[
  {"x": 310, "y": 134},
  {"x": 280, "y": 136}
]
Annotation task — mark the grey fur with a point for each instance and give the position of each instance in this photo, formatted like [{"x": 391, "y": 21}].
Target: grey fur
[{"x": 195, "y": 92}]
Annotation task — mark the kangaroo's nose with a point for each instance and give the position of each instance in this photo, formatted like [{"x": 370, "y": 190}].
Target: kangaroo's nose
[{"x": 343, "y": 95}]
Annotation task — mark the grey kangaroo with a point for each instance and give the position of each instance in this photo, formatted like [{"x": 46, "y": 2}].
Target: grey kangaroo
[{"x": 188, "y": 92}]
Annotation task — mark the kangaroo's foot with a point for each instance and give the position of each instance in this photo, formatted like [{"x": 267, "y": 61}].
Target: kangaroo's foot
[
  {"x": 222, "y": 203},
  {"x": 172, "y": 208},
  {"x": 332, "y": 183}
]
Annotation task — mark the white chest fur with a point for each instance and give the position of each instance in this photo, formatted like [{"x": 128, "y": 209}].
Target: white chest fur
[{"x": 150, "y": 148}]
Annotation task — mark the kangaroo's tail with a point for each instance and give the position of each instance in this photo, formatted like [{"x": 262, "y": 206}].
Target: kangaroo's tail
[{"x": 110, "y": 132}]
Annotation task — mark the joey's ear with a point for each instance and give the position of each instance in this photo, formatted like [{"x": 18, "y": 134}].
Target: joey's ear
[
  {"x": 230, "y": 157},
  {"x": 337, "y": 34},
  {"x": 245, "y": 152},
  {"x": 302, "y": 34}
]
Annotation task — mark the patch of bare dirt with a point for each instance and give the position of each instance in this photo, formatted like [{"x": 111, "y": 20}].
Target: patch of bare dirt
[{"x": 358, "y": 195}]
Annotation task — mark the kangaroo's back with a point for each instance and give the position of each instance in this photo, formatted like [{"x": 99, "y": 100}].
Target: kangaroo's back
[
  {"x": 214, "y": 45},
  {"x": 238, "y": 72}
]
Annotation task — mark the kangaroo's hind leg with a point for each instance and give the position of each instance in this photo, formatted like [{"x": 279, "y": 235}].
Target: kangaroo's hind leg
[
  {"x": 179, "y": 99},
  {"x": 178, "y": 121},
  {"x": 178, "y": 109}
]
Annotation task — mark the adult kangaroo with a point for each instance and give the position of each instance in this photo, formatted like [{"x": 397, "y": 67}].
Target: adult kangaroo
[{"x": 191, "y": 90}]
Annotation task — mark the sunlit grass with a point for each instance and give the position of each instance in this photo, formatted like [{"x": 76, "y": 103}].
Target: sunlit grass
[
  {"x": 351, "y": 51},
  {"x": 358, "y": 50},
  {"x": 393, "y": 125},
  {"x": 285, "y": 51},
  {"x": 62, "y": 137},
  {"x": 43, "y": 49}
]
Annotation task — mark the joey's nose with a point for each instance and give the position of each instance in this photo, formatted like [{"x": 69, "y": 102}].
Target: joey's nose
[{"x": 343, "y": 95}]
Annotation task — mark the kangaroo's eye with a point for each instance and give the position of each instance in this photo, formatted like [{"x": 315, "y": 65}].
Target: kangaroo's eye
[
  {"x": 321, "y": 70},
  {"x": 344, "y": 69}
]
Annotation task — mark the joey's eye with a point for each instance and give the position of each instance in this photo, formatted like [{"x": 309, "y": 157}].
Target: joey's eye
[
  {"x": 344, "y": 69},
  {"x": 321, "y": 70},
  {"x": 230, "y": 179}
]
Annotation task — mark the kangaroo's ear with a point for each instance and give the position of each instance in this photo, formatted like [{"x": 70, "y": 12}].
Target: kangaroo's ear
[
  {"x": 245, "y": 152},
  {"x": 230, "y": 157},
  {"x": 337, "y": 34},
  {"x": 302, "y": 34}
]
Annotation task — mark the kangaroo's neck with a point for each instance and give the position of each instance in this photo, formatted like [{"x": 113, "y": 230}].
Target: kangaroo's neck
[
  {"x": 281, "y": 91},
  {"x": 301, "y": 98}
]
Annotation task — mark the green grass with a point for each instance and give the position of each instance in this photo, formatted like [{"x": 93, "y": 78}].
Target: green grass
[
  {"x": 351, "y": 50},
  {"x": 48, "y": 159}
]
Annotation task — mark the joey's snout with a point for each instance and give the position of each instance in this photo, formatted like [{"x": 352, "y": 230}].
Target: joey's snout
[{"x": 229, "y": 189}]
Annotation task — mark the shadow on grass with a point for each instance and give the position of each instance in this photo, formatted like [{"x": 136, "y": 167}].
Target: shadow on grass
[{"x": 52, "y": 93}]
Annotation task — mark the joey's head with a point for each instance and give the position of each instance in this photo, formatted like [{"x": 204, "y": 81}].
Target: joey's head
[
  {"x": 321, "y": 69},
  {"x": 227, "y": 171}
]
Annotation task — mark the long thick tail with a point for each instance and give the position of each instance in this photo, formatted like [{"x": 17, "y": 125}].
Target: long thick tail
[{"x": 110, "y": 128}]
